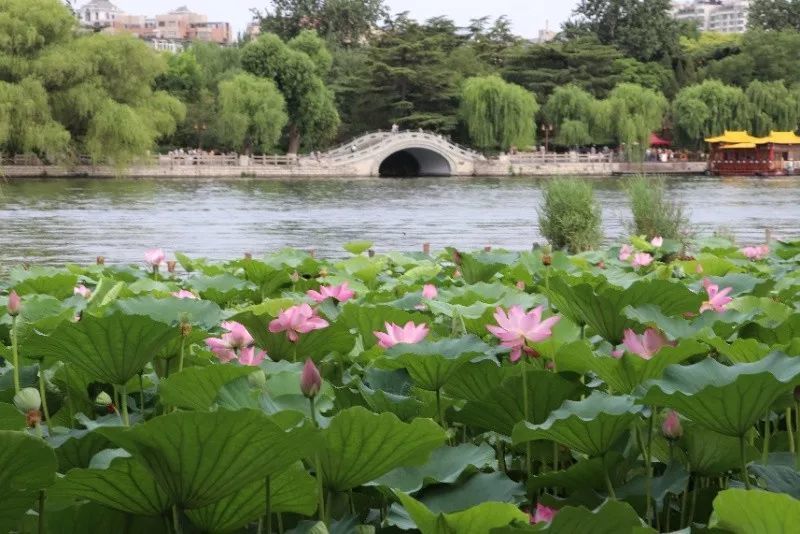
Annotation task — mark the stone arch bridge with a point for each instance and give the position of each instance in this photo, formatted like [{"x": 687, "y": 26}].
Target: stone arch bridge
[{"x": 401, "y": 154}]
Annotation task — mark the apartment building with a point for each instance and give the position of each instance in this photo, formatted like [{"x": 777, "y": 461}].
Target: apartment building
[
  {"x": 724, "y": 16},
  {"x": 98, "y": 14}
]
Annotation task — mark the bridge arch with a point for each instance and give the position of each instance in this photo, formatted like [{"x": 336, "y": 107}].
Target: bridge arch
[{"x": 414, "y": 161}]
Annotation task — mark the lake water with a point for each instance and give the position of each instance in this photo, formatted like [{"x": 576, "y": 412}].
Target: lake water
[{"x": 53, "y": 221}]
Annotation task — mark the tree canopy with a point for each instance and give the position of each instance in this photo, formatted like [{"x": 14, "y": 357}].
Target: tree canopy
[{"x": 252, "y": 113}]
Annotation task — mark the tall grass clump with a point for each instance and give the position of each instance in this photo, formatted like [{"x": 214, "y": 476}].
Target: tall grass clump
[
  {"x": 569, "y": 216},
  {"x": 653, "y": 213}
]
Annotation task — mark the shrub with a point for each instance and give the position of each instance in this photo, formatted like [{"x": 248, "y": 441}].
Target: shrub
[
  {"x": 569, "y": 216},
  {"x": 654, "y": 214}
]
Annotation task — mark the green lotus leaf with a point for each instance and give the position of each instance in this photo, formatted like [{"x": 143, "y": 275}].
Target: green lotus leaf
[
  {"x": 709, "y": 453},
  {"x": 76, "y": 449},
  {"x": 223, "y": 288},
  {"x": 725, "y": 399},
  {"x": 602, "y": 308},
  {"x": 781, "y": 334},
  {"x": 746, "y": 512},
  {"x": 740, "y": 350},
  {"x": 588, "y": 473},
  {"x": 432, "y": 363},
  {"x": 196, "y": 388},
  {"x": 111, "y": 349},
  {"x": 27, "y": 465},
  {"x": 624, "y": 374},
  {"x": 91, "y": 518},
  {"x": 367, "y": 319},
  {"x": 474, "y": 382},
  {"x": 503, "y": 407},
  {"x": 11, "y": 418},
  {"x": 198, "y": 458},
  {"x": 361, "y": 446},
  {"x": 391, "y": 391},
  {"x": 478, "y": 520},
  {"x": 291, "y": 491},
  {"x": 477, "y": 489},
  {"x": 315, "y": 345},
  {"x": 40, "y": 314},
  {"x": 122, "y": 484},
  {"x": 590, "y": 426},
  {"x": 358, "y": 247},
  {"x": 445, "y": 465},
  {"x": 777, "y": 478},
  {"x": 612, "y": 517},
  {"x": 43, "y": 280},
  {"x": 202, "y": 313},
  {"x": 483, "y": 266}
]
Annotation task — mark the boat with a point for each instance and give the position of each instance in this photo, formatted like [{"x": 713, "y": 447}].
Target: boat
[{"x": 737, "y": 153}]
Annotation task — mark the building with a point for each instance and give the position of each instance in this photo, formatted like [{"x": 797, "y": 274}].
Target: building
[
  {"x": 741, "y": 154},
  {"x": 723, "y": 16},
  {"x": 546, "y": 35},
  {"x": 98, "y": 14}
]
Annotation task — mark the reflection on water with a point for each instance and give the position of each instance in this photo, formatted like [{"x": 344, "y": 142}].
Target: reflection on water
[{"x": 73, "y": 220}]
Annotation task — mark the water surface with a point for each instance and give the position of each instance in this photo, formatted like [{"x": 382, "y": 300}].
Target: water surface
[{"x": 54, "y": 221}]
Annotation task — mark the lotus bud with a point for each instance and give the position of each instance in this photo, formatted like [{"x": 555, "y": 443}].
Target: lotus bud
[
  {"x": 310, "y": 380},
  {"x": 601, "y": 264},
  {"x": 257, "y": 379},
  {"x": 521, "y": 285},
  {"x": 698, "y": 268},
  {"x": 101, "y": 260},
  {"x": 171, "y": 264},
  {"x": 671, "y": 428},
  {"x": 14, "y": 304},
  {"x": 323, "y": 273},
  {"x": 103, "y": 399},
  {"x": 294, "y": 277},
  {"x": 547, "y": 259},
  {"x": 457, "y": 273},
  {"x": 27, "y": 400},
  {"x": 248, "y": 256},
  {"x": 186, "y": 328}
]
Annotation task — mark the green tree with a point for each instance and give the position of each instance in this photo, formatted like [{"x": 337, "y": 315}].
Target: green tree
[
  {"x": 252, "y": 113},
  {"x": 498, "y": 114},
  {"x": 630, "y": 115},
  {"x": 707, "y": 109},
  {"x": 774, "y": 15},
  {"x": 313, "y": 117},
  {"x": 573, "y": 113},
  {"x": 772, "y": 107},
  {"x": 26, "y": 123}
]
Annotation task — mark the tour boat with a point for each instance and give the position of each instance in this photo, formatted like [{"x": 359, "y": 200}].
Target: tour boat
[{"x": 737, "y": 153}]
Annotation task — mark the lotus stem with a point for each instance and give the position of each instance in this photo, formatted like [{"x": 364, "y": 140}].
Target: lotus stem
[
  {"x": 70, "y": 408},
  {"x": 268, "y": 511},
  {"x": 15, "y": 353},
  {"x": 797, "y": 433},
  {"x": 280, "y": 523},
  {"x": 743, "y": 459},
  {"x": 180, "y": 357},
  {"x": 526, "y": 411},
  {"x": 176, "y": 519},
  {"x": 43, "y": 395},
  {"x": 294, "y": 353},
  {"x": 124, "y": 401},
  {"x": 141, "y": 394},
  {"x": 439, "y": 409},
  {"x": 684, "y": 502},
  {"x": 649, "y": 465},
  {"x": 765, "y": 445},
  {"x": 318, "y": 465},
  {"x": 694, "y": 503},
  {"x": 501, "y": 456},
  {"x": 790, "y": 430},
  {"x": 609, "y": 486},
  {"x": 42, "y": 521}
]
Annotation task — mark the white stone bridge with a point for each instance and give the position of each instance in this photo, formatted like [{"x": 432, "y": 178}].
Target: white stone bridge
[{"x": 404, "y": 153}]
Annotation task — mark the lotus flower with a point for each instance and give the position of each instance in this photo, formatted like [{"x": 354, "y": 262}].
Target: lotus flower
[
  {"x": 14, "y": 305},
  {"x": 521, "y": 285},
  {"x": 642, "y": 259},
  {"x": 341, "y": 293},
  {"x": 645, "y": 346},
  {"x": 83, "y": 291},
  {"x": 756, "y": 253},
  {"x": 429, "y": 292},
  {"x": 395, "y": 335},
  {"x": 671, "y": 428},
  {"x": 717, "y": 300},
  {"x": 698, "y": 268},
  {"x": 251, "y": 357},
  {"x": 657, "y": 241},
  {"x": 310, "y": 380},
  {"x": 625, "y": 252},
  {"x": 543, "y": 514},
  {"x": 297, "y": 320},
  {"x": 232, "y": 344},
  {"x": 517, "y": 327},
  {"x": 184, "y": 294},
  {"x": 154, "y": 257}
]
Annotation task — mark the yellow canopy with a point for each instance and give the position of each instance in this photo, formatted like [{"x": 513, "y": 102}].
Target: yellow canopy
[
  {"x": 782, "y": 138},
  {"x": 733, "y": 138},
  {"x": 739, "y": 145}
]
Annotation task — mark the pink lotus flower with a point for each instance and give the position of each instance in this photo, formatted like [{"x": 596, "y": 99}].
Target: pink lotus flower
[
  {"x": 251, "y": 357},
  {"x": 698, "y": 268},
  {"x": 184, "y": 294},
  {"x": 310, "y": 380},
  {"x": 717, "y": 300},
  {"x": 297, "y": 320},
  {"x": 429, "y": 292},
  {"x": 756, "y": 253},
  {"x": 396, "y": 335},
  {"x": 657, "y": 241},
  {"x": 642, "y": 259},
  {"x": 625, "y": 252},
  {"x": 232, "y": 344},
  {"x": 83, "y": 291},
  {"x": 154, "y": 257},
  {"x": 671, "y": 428},
  {"x": 521, "y": 285},
  {"x": 341, "y": 293},
  {"x": 543, "y": 514},
  {"x": 645, "y": 346},
  {"x": 14, "y": 305},
  {"x": 517, "y": 327}
]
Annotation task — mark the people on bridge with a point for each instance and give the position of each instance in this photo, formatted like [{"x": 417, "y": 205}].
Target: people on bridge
[{"x": 395, "y": 128}]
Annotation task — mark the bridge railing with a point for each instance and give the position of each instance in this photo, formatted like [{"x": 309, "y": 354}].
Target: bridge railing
[{"x": 533, "y": 158}]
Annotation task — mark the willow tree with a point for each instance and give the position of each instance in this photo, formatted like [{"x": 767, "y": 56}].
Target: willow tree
[
  {"x": 772, "y": 107},
  {"x": 708, "y": 109},
  {"x": 313, "y": 117},
  {"x": 572, "y": 111},
  {"x": 498, "y": 114},
  {"x": 630, "y": 114},
  {"x": 252, "y": 113}
]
